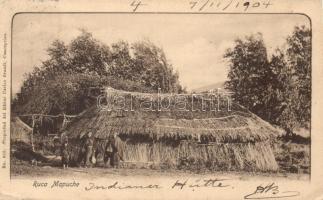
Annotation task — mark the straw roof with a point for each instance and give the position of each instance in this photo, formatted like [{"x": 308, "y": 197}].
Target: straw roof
[
  {"x": 19, "y": 130},
  {"x": 235, "y": 126}
]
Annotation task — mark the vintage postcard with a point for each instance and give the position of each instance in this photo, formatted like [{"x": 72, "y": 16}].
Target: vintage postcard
[{"x": 146, "y": 99}]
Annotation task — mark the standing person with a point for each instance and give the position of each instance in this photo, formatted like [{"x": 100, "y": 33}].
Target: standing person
[
  {"x": 89, "y": 140},
  {"x": 116, "y": 144},
  {"x": 65, "y": 154},
  {"x": 81, "y": 156},
  {"x": 108, "y": 155},
  {"x": 86, "y": 150}
]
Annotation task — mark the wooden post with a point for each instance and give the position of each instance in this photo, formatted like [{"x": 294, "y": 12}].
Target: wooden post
[
  {"x": 64, "y": 121},
  {"x": 32, "y": 133}
]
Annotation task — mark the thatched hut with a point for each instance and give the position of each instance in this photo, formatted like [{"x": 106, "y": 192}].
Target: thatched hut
[
  {"x": 19, "y": 131},
  {"x": 219, "y": 139}
]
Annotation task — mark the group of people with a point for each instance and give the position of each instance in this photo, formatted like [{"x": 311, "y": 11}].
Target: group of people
[{"x": 88, "y": 154}]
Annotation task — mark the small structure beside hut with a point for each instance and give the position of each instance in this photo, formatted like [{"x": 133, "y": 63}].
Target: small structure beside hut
[
  {"x": 174, "y": 131},
  {"x": 19, "y": 131}
]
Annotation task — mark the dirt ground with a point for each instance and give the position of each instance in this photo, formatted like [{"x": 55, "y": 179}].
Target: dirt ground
[{"x": 26, "y": 171}]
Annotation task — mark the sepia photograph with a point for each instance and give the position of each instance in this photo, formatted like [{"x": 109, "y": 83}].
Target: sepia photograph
[{"x": 101, "y": 95}]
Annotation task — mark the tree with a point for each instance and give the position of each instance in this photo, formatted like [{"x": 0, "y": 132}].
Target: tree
[
  {"x": 153, "y": 69},
  {"x": 299, "y": 57},
  {"x": 278, "y": 89},
  {"x": 249, "y": 72},
  {"x": 88, "y": 54},
  {"x": 61, "y": 83},
  {"x": 120, "y": 62},
  {"x": 296, "y": 77},
  {"x": 65, "y": 93}
]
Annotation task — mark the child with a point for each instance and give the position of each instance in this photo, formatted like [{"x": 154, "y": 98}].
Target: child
[{"x": 65, "y": 155}]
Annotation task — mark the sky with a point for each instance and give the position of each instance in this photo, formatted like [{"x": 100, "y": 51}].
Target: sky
[{"x": 193, "y": 43}]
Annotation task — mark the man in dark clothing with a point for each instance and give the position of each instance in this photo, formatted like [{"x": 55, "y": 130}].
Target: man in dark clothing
[
  {"x": 108, "y": 153},
  {"x": 116, "y": 145},
  {"x": 86, "y": 150},
  {"x": 65, "y": 154},
  {"x": 89, "y": 149}
]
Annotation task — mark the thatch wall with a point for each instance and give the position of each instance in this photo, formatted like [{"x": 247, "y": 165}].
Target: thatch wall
[
  {"x": 229, "y": 156},
  {"x": 231, "y": 140},
  {"x": 214, "y": 156}
]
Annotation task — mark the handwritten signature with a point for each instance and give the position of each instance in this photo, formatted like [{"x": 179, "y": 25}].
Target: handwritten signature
[{"x": 269, "y": 192}]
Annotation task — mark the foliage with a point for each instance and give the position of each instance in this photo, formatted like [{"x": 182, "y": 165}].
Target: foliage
[
  {"x": 61, "y": 84},
  {"x": 277, "y": 89},
  {"x": 248, "y": 71},
  {"x": 155, "y": 70}
]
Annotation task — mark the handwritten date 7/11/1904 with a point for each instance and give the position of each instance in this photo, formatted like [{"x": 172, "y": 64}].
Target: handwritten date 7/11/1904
[
  {"x": 213, "y": 5},
  {"x": 210, "y": 5},
  {"x": 270, "y": 191}
]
